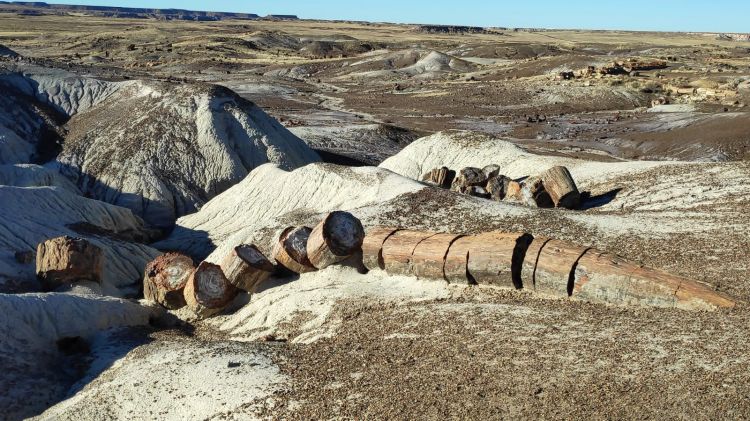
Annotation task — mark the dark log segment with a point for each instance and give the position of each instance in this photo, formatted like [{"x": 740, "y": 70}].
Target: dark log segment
[
  {"x": 207, "y": 290},
  {"x": 291, "y": 250},
  {"x": 528, "y": 267},
  {"x": 456, "y": 267},
  {"x": 334, "y": 239},
  {"x": 68, "y": 259},
  {"x": 428, "y": 259},
  {"x": 534, "y": 193},
  {"x": 398, "y": 250},
  {"x": 562, "y": 189},
  {"x": 372, "y": 247},
  {"x": 554, "y": 268},
  {"x": 165, "y": 278},
  {"x": 603, "y": 277},
  {"x": 246, "y": 267}
]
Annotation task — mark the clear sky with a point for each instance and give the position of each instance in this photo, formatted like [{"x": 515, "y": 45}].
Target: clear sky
[{"x": 658, "y": 15}]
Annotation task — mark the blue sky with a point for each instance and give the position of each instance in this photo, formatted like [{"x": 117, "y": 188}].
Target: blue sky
[{"x": 660, "y": 15}]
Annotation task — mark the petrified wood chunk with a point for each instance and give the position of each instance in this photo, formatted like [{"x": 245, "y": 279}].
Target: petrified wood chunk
[
  {"x": 207, "y": 290},
  {"x": 553, "y": 274},
  {"x": 530, "y": 260},
  {"x": 534, "y": 193},
  {"x": 291, "y": 250},
  {"x": 513, "y": 192},
  {"x": 372, "y": 247},
  {"x": 399, "y": 248},
  {"x": 562, "y": 189},
  {"x": 603, "y": 277},
  {"x": 165, "y": 278},
  {"x": 335, "y": 238},
  {"x": 67, "y": 259},
  {"x": 491, "y": 171},
  {"x": 246, "y": 267},
  {"x": 497, "y": 187},
  {"x": 468, "y": 177},
  {"x": 456, "y": 267},
  {"x": 442, "y": 177},
  {"x": 428, "y": 258}
]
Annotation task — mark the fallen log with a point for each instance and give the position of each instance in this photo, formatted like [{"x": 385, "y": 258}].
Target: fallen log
[
  {"x": 554, "y": 268},
  {"x": 603, "y": 277},
  {"x": 495, "y": 258},
  {"x": 398, "y": 250},
  {"x": 530, "y": 260},
  {"x": 428, "y": 258},
  {"x": 68, "y": 259},
  {"x": 456, "y": 266},
  {"x": 246, "y": 267},
  {"x": 207, "y": 290},
  {"x": 558, "y": 182},
  {"x": 164, "y": 279},
  {"x": 291, "y": 250},
  {"x": 334, "y": 239},
  {"x": 372, "y": 247}
]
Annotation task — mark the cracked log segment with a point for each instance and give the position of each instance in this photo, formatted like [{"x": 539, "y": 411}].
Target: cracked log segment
[
  {"x": 561, "y": 188},
  {"x": 66, "y": 259},
  {"x": 493, "y": 258},
  {"x": 372, "y": 247},
  {"x": 554, "y": 268},
  {"x": 603, "y": 277},
  {"x": 398, "y": 250},
  {"x": 246, "y": 267},
  {"x": 207, "y": 290},
  {"x": 291, "y": 250},
  {"x": 336, "y": 237},
  {"x": 164, "y": 279},
  {"x": 442, "y": 177},
  {"x": 428, "y": 258}
]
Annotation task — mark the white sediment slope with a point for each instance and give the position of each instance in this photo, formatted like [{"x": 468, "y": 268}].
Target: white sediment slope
[
  {"x": 33, "y": 375},
  {"x": 30, "y": 175},
  {"x": 270, "y": 192},
  {"x": 30, "y": 215},
  {"x": 163, "y": 150}
]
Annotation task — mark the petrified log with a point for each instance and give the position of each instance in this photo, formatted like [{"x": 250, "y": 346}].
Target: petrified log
[
  {"x": 513, "y": 191},
  {"x": 442, "y": 177},
  {"x": 528, "y": 268},
  {"x": 428, "y": 258},
  {"x": 561, "y": 188},
  {"x": 165, "y": 278},
  {"x": 456, "y": 266},
  {"x": 603, "y": 277},
  {"x": 399, "y": 248},
  {"x": 246, "y": 267},
  {"x": 67, "y": 259},
  {"x": 497, "y": 187},
  {"x": 334, "y": 239},
  {"x": 495, "y": 258},
  {"x": 207, "y": 290},
  {"x": 534, "y": 193},
  {"x": 372, "y": 247},
  {"x": 291, "y": 250},
  {"x": 554, "y": 268}
]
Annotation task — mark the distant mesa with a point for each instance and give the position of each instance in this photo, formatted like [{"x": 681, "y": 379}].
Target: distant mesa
[
  {"x": 451, "y": 29},
  {"x": 34, "y": 8}
]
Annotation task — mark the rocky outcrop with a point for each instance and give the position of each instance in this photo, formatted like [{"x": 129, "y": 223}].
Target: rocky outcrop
[{"x": 163, "y": 150}]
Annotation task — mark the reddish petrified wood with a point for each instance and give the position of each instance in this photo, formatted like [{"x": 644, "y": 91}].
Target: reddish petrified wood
[
  {"x": 246, "y": 267},
  {"x": 428, "y": 259},
  {"x": 207, "y": 290},
  {"x": 372, "y": 247},
  {"x": 165, "y": 278},
  {"x": 335, "y": 238},
  {"x": 399, "y": 248},
  {"x": 291, "y": 250}
]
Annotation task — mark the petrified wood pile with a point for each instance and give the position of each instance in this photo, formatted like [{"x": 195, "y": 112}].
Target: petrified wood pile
[{"x": 542, "y": 265}]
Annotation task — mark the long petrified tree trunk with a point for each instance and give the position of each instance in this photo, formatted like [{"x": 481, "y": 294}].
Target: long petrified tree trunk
[
  {"x": 67, "y": 259},
  {"x": 335, "y": 238},
  {"x": 246, "y": 267},
  {"x": 291, "y": 250},
  {"x": 207, "y": 290},
  {"x": 165, "y": 278},
  {"x": 399, "y": 248}
]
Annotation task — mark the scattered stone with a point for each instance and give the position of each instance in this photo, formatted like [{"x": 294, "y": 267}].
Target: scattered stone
[
  {"x": 67, "y": 259},
  {"x": 497, "y": 187},
  {"x": 442, "y": 177},
  {"x": 468, "y": 177}
]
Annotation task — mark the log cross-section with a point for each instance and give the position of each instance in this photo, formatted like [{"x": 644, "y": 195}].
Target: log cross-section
[
  {"x": 246, "y": 267},
  {"x": 207, "y": 290},
  {"x": 165, "y": 278},
  {"x": 291, "y": 250},
  {"x": 336, "y": 237}
]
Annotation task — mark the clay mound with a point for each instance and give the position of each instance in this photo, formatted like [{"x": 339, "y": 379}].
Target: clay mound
[
  {"x": 163, "y": 150},
  {"x": 6, "y": 52},
  {"x": 436, "y": 61},
  {"x": 269, "y": 193},
  {"x": 30, "y": 215},
  {"x": 412, "y": 63}
]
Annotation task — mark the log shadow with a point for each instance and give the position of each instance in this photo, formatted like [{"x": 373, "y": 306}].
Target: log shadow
[{"x": 590, "y": 202}]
